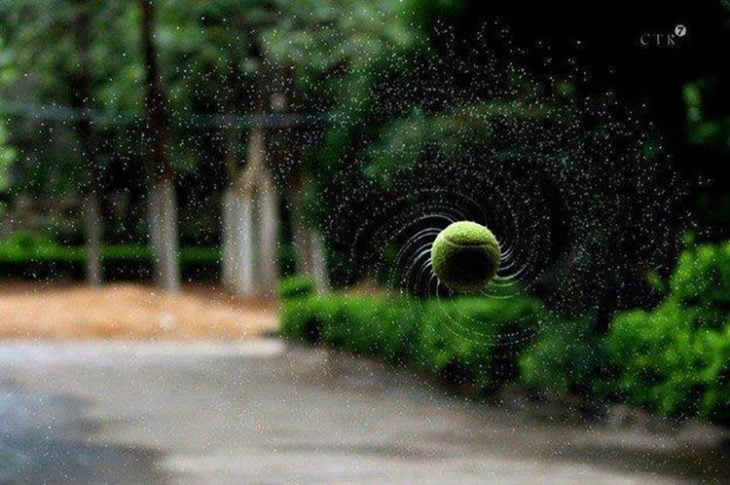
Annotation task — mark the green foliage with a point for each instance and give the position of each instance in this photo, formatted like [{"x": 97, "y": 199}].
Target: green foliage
[
  {"x": 381, "y": 326},
  {"x": 41, "y": 60},
  {"x": 7, "y": 156},
  {"x": 428, "y": 12},
  {"x": 23, "y": 242},
  {"x": 454, "y": 135},
  {"x": 476, "y": 340},
  {"x": 569, "y": 357},
  {"x": 36, "y": 257},
  {"x": 706, "y": 125},
  {"x": 707, "y": 128},
  {"x": 297, "y": 286},
  {"x": 675, "y": 359},
  {"x": 466, "y": 340},
  {"x": 328, "y": 35}
]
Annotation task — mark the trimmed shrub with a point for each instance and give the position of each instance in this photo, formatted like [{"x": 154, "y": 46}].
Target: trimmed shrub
[
  {"x": 476, "y": 340},
  {"x": 297, "y": 286},
  {"x": 47, "y": 261},
  {"x": 466, "y": 341},
  {"x": 368, "y": 325},
  {"x": 568, "y": 357},
  {"x": 675, "y": 359}
]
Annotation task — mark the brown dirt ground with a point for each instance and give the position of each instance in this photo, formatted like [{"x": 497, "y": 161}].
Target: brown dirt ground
[{"x": 130, "y": 311}]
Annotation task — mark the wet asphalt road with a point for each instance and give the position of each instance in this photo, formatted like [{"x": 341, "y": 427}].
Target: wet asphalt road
[{"x": 257, "y": 412}]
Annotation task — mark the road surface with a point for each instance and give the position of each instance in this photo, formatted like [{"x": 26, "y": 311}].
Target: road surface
[{"x": 259, "y": 412}]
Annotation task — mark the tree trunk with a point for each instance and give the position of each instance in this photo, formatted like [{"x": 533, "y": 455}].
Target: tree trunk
[
  {"x": 92, "y": 213},
  {"x": 229, "y": 239},
  {"x": 268, "y": 235},
  {"x": 319, "y": 262},
  {"x": 308, "y": 243},
  {"x": 230, "y": 262},
  {"x": 301, "y": 242},
  {"x": 246, "y": 268},
  {"x": 163, "y": 218},
  {"x": 258, "y": 222},
  {"x": 163, "y": 211},
  {"x": 80, "y": 97},
  {"x": 153, "y": 215}
]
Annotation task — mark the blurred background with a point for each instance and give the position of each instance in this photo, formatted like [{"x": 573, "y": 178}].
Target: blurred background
[{"x": 182, "y": 170}]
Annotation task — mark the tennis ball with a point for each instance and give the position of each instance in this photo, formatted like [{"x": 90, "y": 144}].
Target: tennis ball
[{"x": 465, "y": 256}]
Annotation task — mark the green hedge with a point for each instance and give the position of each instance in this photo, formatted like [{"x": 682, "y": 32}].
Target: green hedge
[
  {"x": 569, "y": 357},
  {"x": 477, "y": 340},
  {"x": 466, "y": 341},
  {"x": 675, "y": 359},
  {"x": 49, "y": 261},
  {"x": 297, "y": 286}
]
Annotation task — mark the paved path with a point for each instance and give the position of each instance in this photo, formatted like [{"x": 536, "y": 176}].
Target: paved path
[{"x": 256, "y": 412}]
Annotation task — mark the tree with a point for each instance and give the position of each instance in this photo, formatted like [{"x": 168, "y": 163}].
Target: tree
[
  {"x": 220, "y": 43},
  {"x": 81, "y": 95},
  {"x": 162, "y": 200},
  {"x": 332, "y": 50},
  {"x": 50, "y": 54}
]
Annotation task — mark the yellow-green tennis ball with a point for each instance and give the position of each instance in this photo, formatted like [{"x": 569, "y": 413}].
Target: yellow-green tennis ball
[{"x": 465, "y": 256}]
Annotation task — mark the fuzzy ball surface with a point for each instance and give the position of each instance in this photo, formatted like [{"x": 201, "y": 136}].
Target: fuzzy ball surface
[{"x": 465, "y": 256}]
